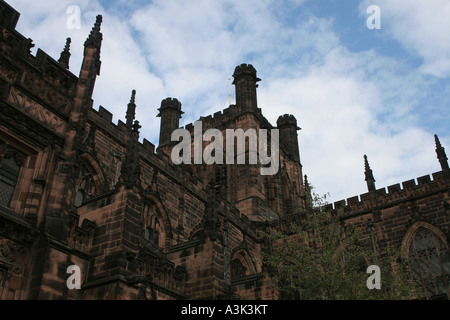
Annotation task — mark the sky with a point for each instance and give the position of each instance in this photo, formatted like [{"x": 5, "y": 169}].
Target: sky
[{"x": 354, "y": 90}]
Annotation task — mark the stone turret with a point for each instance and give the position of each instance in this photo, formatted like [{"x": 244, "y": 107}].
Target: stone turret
[
  {"x": 245, "y": 81},
  {"x": 287, "y": 124},
  {"x": 170, "y": 114}
]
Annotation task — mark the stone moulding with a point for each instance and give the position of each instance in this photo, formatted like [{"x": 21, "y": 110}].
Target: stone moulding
[{"x": 36, "y": 111}]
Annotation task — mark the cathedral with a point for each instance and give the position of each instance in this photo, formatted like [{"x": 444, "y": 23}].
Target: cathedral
[{"x": 79, "y": 191}]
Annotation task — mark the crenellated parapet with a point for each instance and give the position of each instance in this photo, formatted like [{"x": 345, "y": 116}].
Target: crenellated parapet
[
  {"x": 41, "y": 77},
  {"x": 395, "y": 194},
  {"x": 9, "y": 16},
  {"x": 227, "y": 118},
  {"x": 287, "y": 120},
  {"x": 170, "y": 103}
]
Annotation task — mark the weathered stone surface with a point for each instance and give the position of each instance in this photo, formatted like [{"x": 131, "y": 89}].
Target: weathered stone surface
[{"x": 86, "y": 192}]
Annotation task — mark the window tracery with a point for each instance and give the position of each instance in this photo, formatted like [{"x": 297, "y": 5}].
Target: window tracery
[
  {"x": 429, "y": 259},
  {"x": 153, "y": 229},
  {"x": 86, "y": 187},
  {"x": 11, "y": 162}
]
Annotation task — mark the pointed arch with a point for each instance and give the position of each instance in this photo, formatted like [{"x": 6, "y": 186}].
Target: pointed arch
[
  {"x": 90, "y": 180},
  {"x": 11, "y": 163},
  {"x": 241, "y": 264},
  {"x": 428, "y": 254},
  {"x": 156, "y": 228}
]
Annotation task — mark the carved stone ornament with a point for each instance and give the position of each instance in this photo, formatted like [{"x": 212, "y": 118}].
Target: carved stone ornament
[
  {"x": 37, "y": 111},
  {"x": 7, "y": 72},
  {"x": 31, "y": 128},
  {"x": 46, "y": 92},
  {"x": 9, "y": 249}
]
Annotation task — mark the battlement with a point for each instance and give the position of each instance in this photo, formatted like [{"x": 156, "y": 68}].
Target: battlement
[
  {"x": 170, "y": 103},
  {"x": 46, "y": 79},
  {"x": 9, "y": 16},
  {"x": 395, "y": 194},
  {"x": 245, "y": 70},
  {"x": 147, "y": 150},
  {"x": 225, "y": 117},
  {"x": 286, "y": 120}
]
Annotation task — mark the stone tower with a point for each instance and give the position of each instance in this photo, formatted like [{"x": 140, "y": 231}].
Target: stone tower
[
  {"x": 288, "y": 135},
  {"x": 170, "y": 114},
  {"x": 245, "y": 81}
]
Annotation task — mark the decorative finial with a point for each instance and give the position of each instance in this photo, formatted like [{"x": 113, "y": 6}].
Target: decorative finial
[
  {"x": 438, "y": 143},
  {"x": 65, "y": 54},
  {"x": 308, "y": 194},
  {"x": 441, "y": 155},
  {"x": 95, "y": 37},
  {"x": 131, "y": 168},
  {"x": 131, "y": 110},
  {"x": 67, "y": 46},
  {"x": 136, "y": 127},
  {"x": 133, "y": 96},
  {"x": 369, "y": 175}
]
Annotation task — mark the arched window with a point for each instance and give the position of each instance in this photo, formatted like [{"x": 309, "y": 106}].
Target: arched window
[
  {"x": 429, "y": 260},
  {"x": 152, "y": 233},
  {"x": 86, "y": 187},
  {"x": 237, "y": 269},
  {"x": 10, "y": 164},
  {"x": 241, "y": 264},
  {"x": 153, "y": 230}
]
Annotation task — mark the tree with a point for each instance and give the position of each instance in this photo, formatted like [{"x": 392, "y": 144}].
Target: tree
[{"x": 324, "y": 257}]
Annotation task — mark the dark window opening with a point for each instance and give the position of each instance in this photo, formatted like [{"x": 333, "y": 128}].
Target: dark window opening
[
  {"x": 86, "y": 187},
  {"x": 429, "y": 260},
  {"x": 9, "y": 174}
]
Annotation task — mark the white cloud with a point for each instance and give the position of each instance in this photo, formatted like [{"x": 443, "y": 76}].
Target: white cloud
[
  {"x": 421, "y": 26},
  {"x": 354, "y": 104},
  {"x": 348, "y": 104},
  {"x": 124, "y": 69}
]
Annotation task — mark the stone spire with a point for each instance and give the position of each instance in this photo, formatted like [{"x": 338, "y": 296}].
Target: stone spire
[
  {"x": 95, "y": 37},
  {"x": 308, "y": 194},
  {"x": 130, "y": 175},
  {"x": 92, "y": 48},
  {"x": 369, "y": 175},
  {"x": 65, "y": 54},
  {"x": 82, "y": 102},
  {"x": 440, "y": 151},
  {"x": 131, "y": 110}
]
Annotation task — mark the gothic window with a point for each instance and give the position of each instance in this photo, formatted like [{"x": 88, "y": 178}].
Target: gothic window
[
  {"x": 241, "y": 265},
  {"x": 3, "y": 287},
  {"x": 237, "y": 269},
  {"x": 152, "y": 232},
  {"x": 429, "y": 259},
  {"x": 153, "y": 229},
  {"x": 10, "y": 166},
  {"x": 86, "y": 187}
]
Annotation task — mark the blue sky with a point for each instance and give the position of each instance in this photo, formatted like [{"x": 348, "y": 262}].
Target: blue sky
[{"x": 353, "y": 90}]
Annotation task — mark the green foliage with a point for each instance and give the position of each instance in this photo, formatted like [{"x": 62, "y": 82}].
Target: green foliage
[{"x": 323, "y": 257}]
